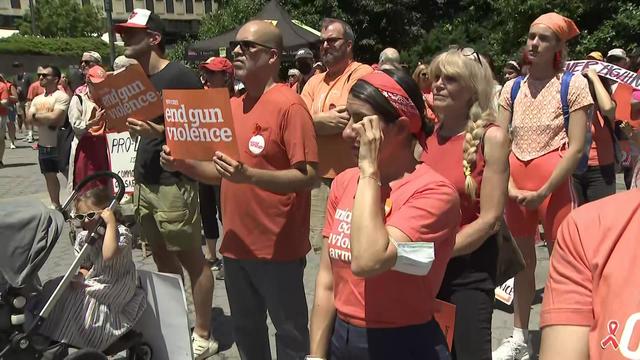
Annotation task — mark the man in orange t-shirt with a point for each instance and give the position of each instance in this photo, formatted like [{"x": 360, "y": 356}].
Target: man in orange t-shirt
[
  {"x": 266, "y": 197},
  {"x": 591, "y": 306},
  {"x": 326, "y": 96}
]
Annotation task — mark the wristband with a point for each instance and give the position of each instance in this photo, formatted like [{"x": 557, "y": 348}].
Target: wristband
[{"x": 372, "y": 177}]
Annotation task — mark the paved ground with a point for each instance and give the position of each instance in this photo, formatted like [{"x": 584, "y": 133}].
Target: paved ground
[{"x": 21, "y": 179}]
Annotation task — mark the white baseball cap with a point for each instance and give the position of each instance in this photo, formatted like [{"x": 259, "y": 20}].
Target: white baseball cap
[{"x": 617, "y": 53}]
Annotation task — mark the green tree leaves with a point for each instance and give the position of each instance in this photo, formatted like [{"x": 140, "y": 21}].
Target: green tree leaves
[{"x": 63, "y": 18}]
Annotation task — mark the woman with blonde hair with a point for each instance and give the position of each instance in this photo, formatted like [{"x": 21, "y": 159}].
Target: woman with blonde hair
[
  {"x": 468, "y": 149},
  {"x": 548, "y": 120}
]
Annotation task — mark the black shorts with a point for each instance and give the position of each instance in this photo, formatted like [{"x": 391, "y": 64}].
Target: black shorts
[{"x": 48, "y": 159}]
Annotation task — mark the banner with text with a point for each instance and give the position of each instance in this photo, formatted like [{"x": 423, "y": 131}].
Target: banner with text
[
  {"x": 198, "y": 123},
  {"x": 609, "y": 71},
  {"x": 128, "y": 94},
  {"x": 122, "y": 157}
]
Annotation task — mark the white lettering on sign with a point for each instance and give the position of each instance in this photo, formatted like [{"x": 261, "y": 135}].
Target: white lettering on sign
[
  {"x": 625, "y": 339},
  {"x": 504, "y": 292},
  {"x": 340, "y": 241},
  {"x": 190, "y": 121}
]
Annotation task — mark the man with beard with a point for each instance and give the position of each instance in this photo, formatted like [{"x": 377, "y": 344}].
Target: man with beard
[
  {"x": 326, "y": 97},
  {"x": 167, "y": 206},
  {"x": 304, "y": 63}
]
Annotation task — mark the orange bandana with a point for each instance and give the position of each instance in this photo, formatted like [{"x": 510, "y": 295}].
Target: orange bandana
[{"x": 565, "y": 28}]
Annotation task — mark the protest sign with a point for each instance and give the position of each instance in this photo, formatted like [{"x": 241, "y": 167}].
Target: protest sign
[
  {"x": 198, "y": 123},
  {"x": 609, "y": 71},
  {"x": 445, "y": 316},
  {"x": 122, "y": 157},
  {"x": 127, "y": 94}
]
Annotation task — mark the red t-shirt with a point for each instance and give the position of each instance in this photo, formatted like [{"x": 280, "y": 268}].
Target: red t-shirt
[
  {"x": 34, "y": 90},
  {"x": 593, "y": 278},
  {"x": 425, "y": 207},
  {"x": 4, "y": 95},
  {"x": 273, "y": 135}
]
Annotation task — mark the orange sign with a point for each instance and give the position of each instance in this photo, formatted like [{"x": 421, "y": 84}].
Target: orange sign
[
  {"x": 445, "y": 316},
  {"x": 198, "y": 123},
  {"x": 127, "y": 94}
]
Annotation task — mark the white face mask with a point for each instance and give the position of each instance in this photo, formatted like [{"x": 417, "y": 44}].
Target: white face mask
[{"x": 414, "y": 258}]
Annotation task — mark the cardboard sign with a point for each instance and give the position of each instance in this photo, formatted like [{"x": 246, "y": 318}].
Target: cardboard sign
[
  {"x": 127, "y": 94},
  {"x": 504, "y": 292},
  {"x": 164, "y": 322},
  {"x": 445, "y": 316},
  {"x": 198, "y": 123},
  {"x": 609, "y": 71},
  {"x": 122, "y": 157}
]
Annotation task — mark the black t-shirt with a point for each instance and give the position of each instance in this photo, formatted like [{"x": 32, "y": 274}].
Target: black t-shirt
[{"x": 148, "y": 170}]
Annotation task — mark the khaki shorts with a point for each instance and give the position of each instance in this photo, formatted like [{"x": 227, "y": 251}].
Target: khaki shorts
[
  {"x": 169, "y": 213},
  {"x": 319, "y": 197}
]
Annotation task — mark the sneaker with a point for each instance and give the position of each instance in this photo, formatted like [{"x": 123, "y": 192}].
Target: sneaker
[
  {"x": 220, "y": 274},
  {"x": 216, "y": 264},
  {"x": 203, "y": 348},
  {"x": 29, "y": 138},
  {"x": 12, "y": 146},
  {"x": 511, "y": 350}
]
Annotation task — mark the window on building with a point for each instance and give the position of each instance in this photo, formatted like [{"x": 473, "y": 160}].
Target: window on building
[
  {"x": 149, "y": 5},
  {"x": 208, "y": 6},
  {"x": 170, "y": 9},
  {"x": 15, "y": 4},
  {"x": 128, "y": 5},
  {"x": 189, "y": 6}
]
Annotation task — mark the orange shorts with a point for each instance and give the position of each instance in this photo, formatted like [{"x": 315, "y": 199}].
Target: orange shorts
[{"x": 532, "y": 175}]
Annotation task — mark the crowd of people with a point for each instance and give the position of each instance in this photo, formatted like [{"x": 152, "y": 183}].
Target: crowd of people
[{"x": 403, "y": 183}]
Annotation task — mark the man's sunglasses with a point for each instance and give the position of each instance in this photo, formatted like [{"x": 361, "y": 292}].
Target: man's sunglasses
[
  {"x": 86, "y": 62},
  {"x": 246, "y": 45},
  {"x": 86, "y": 217},
  {"x": 43, "y": 75},
  {"x": 331, "y": 41}
]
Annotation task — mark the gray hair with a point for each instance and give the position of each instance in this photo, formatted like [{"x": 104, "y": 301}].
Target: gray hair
[{"x": 346, "y": 29}]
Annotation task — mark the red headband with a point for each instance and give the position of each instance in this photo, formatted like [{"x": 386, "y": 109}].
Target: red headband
[{"x": 399, "y": 99}]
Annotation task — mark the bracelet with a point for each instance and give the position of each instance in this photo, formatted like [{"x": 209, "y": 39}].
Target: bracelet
[{"x": 372, "y": 177}]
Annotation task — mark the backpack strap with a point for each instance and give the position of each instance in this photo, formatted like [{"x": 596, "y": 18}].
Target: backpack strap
[{"x": 565, "y": 83}]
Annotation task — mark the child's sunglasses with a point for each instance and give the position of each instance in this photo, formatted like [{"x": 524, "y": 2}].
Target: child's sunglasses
[{"x": 86, "y": 217}]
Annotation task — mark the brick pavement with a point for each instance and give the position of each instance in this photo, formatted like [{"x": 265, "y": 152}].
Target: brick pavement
[{"x": 21, "y": 178}]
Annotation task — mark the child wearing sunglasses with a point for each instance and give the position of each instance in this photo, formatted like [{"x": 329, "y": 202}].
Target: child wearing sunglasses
[{"x": 104, "y": 301}]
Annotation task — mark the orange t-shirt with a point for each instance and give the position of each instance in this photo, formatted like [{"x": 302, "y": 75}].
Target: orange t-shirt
[
  {"x": 34, "y": 90},
  {"x": 537, "y": 124},
  {"x": 275, "y": 134},
  {"x": 425, "y": 207},
  {"x": 593, "y": 280},
  {"x": 321, "y": 95},
  {"x": 4, "y": 95},
  {"x": 601, "y": 152}
]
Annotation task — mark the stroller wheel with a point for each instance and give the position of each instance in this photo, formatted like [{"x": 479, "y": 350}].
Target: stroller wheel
[{"x": 140, "y": 352}]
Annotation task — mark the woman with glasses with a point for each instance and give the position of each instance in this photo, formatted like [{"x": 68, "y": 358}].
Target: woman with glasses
[
  {"x": 470, "y": 150},
  {"x": 388, "y": 235},
  {"x": 544, "y": 155}
]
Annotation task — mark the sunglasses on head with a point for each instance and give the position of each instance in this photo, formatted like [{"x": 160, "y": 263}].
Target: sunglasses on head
[
  {"x": 86, "y": 217},
  {"x": 246, "y": 45},
  {"x": 470, "y": 52}
]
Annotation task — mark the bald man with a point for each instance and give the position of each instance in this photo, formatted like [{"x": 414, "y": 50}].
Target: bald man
[
  {"x": 389, "y": 59},
  {"x": 266, "y": 192}
]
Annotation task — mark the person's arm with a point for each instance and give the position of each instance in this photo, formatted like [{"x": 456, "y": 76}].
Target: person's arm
[
  {"x": 51, "y": 118},
  {"x": 75, "y": 117},
  {"x": 606, "y": 105},
  {"x": 331, "y": 122},
  {"x": 324, "y": 310},
  {"x": 301, "y": 176},
  {"x": 110, "y": 246},
  {"x": 202, "y": 171},
  {"x": 492, "y": 197},
  {"x": 566, "y": 342},
  {"x": 146, "y": 129}
]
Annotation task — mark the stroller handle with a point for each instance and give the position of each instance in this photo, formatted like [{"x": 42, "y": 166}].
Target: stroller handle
[{"x": 101, "y": 174}]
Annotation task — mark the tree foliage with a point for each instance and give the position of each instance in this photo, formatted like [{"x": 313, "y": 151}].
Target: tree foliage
[
  {"x": 422, "y": 28},
  {"x": 20, "y": 44},
  {"x": 63, "y": 18}
]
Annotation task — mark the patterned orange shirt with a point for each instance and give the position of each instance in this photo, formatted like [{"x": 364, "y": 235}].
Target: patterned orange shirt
[{"x": 537, "y": 125}]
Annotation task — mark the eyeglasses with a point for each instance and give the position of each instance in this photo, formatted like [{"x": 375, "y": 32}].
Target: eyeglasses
[
  {"x": 424, "y": 75},
  {"x": 86, "y": 62},
  {"x": 246, "y": 45},
  {"x": 471, "y": 52},
  {"x": 88, "y": 216},
  {"x": 331, "y": 41},
  {"x": 43, "y": 75}
]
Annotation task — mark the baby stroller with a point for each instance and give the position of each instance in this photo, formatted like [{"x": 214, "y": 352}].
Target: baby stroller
[{"x": 28, "y": 234}]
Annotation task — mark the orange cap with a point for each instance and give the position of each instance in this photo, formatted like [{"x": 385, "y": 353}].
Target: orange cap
[
  {"x": 565, "y": 28},
  {"x": 96, "y": 74}
]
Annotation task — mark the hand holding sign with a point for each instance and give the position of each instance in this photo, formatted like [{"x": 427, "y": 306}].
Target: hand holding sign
[
  {"x": 144, "y": 128},
  {"x": 198, "y": 123},
  {"x": 168, "y": 162},
  {"x": 230, "y": 169}
]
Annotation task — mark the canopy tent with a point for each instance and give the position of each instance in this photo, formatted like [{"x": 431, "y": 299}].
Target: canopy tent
[{"x": 295, "y": 35}]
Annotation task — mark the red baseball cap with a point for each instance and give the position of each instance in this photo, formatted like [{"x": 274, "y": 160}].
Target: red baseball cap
[
  {"x": 217, "y": 64},
  {"x": 96, "y": 74},
  {"x": 141, "y": 19}
]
